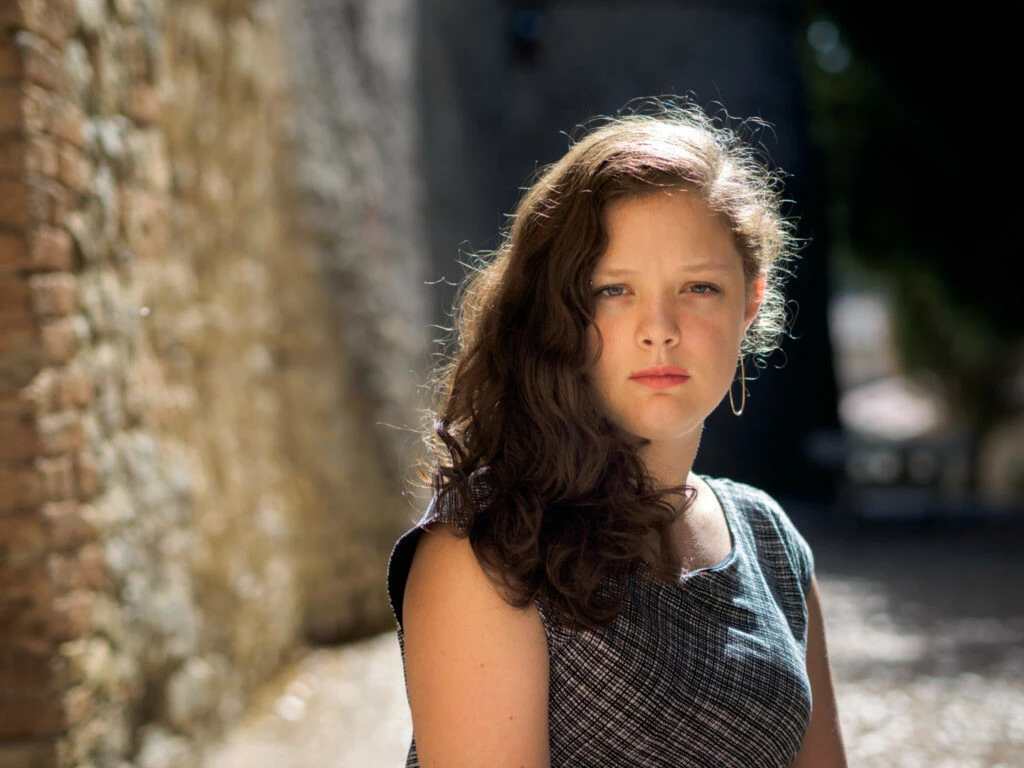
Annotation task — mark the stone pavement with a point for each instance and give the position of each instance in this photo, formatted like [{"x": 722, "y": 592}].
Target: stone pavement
[
  {"x": 926, "y": 635},
  {"x": 336, "y": 708}
]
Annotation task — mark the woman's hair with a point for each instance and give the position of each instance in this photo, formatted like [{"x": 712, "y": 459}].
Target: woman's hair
[{"x": 553, "y": 496}]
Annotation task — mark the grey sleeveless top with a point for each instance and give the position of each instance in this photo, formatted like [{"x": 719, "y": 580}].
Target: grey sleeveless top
[{"x": 707, "y": 671}]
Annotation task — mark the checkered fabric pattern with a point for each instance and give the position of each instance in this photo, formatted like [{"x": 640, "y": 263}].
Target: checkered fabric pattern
[{"x": 709, "y": 671}]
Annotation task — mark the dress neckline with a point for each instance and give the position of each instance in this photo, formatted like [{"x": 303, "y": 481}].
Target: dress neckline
[{"x": 735, "y": 540}]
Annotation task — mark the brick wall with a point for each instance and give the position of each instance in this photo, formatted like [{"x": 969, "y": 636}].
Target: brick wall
[
  {"x": 50, "y": 565},
  {"x": 192, "y": 475}
]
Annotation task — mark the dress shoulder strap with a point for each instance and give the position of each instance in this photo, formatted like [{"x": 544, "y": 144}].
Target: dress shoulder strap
[{"x": 447, "y": 507}]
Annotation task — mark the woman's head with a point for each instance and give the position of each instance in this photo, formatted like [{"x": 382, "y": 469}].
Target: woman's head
[
  {"x": 559, "y": 227},
  {"x": 573, "y": 499},
  {"x": 671, "y": 305}
]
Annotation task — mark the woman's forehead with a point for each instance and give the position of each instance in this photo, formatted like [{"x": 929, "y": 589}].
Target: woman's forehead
[{"x": 666, "y": 230}]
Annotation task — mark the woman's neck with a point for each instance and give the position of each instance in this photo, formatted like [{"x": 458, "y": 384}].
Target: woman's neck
[{"x": 670, "y": 463}]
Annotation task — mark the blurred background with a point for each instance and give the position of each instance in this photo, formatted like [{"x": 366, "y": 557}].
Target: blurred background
[{"x": 230, "y": 232}]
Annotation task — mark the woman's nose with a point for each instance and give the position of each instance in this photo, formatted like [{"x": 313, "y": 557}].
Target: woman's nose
[{"x": 658, "y": 325}]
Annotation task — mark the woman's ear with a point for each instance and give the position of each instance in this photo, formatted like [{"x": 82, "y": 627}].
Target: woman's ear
[{"x": 755, "y": 295}]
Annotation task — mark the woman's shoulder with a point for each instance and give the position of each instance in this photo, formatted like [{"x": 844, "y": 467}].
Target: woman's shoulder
[
  {"x": 747, "y": 498},
  {"x": 463, "y": 641},
  {"x": 772, "y": 528},
  {"x": 439, "y": 542},
  {"x": 444, "y": 568}
]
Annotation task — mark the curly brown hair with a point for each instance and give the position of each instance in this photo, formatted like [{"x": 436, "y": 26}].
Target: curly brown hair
[{"x": 567, "y": 502}]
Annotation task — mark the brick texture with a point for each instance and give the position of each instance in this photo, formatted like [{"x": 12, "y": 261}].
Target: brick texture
[
  {"x": 58, "y": 342},
  {"x": 53, "y": 295},
  {"x": 32, "y": 754},
  {"x": 68, "y": 529},
  {"x": 15, "y": 298},
  {"x": 23, "y": 538},
  {"x": 141, "y": 395},
  {"x": 12, "y": 107},
  {"x": 10, "y": 61},
  {"x": 40, "y": 61},
  {"x": 50, "y": 565},
  {"x": 22, "y": 489},
  {"x": 50, "y": 248},
  {"x": 19, "y": 438},
  {"x": 29, "y": 717},
  {"x": 12, "y": 153}
]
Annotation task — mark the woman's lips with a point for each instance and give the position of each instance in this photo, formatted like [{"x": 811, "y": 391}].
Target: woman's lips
[
  {"x": 661, "y": 376},
  {"x": 661, "y": 382}
]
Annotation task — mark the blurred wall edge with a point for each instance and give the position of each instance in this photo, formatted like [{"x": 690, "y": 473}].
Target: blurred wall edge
[{"x": 210, "y": 303}]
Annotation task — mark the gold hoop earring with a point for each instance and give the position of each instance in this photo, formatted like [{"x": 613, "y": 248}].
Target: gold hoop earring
[{"x": 743, "y": 385}]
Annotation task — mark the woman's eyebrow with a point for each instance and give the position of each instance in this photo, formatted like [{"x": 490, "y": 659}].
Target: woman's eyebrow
[{"x": 704, "y": 266}]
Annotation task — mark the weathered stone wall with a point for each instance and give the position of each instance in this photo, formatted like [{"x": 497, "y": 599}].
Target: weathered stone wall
[
  {"x": 356, "y": 187},
  {"x": 191, "y": 474}
]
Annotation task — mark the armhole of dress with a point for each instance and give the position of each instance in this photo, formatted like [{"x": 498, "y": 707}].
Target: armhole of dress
[
  {"x": 400, "y": 560},
  {"x": 554, "y": 632},
  {"x": 398, "y": 568},
  {"x": 799, "y": 552}
]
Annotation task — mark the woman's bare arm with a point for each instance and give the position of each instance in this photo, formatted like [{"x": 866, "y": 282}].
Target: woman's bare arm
[
  {"x": 476, "y": 668},
  {"x": 823, "y": 742}
]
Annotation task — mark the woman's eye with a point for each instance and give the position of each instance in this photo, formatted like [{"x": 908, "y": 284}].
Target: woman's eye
[
  {"x": 614, "y": 291},
  {"x": 703, "y": 288}
]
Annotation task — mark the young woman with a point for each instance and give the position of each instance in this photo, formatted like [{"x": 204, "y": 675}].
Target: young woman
[{"x": 575, "y": 595}]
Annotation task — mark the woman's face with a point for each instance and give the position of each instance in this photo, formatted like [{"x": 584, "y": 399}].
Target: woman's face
[{"x": 669, "y": 295}]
